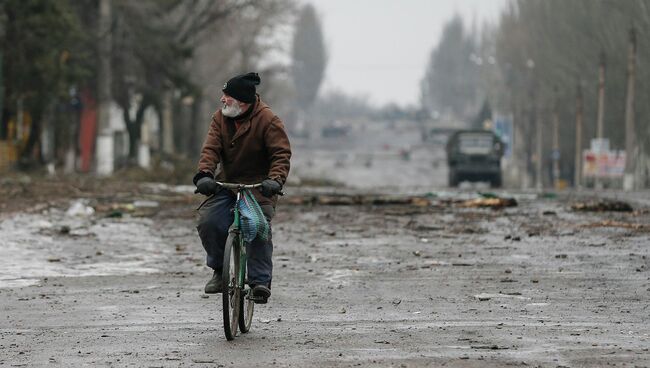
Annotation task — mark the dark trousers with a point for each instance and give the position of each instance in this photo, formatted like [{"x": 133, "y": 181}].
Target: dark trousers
[{"x": 215, "y": 218}]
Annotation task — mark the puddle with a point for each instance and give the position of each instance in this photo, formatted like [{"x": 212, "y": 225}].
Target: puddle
[{"x": 32, "y": 247}]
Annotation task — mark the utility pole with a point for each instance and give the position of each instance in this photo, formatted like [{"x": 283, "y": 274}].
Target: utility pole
[
  {"x": 578, "y": 157},
  {"x": 601, "y": 113},
  {"x": 556, "y": 142},
  {"x": 601, "y": 97},
  {"x": 518, "y": 145},
  {"x": 528, "y": 127},
  {"x": 539, "y": 185},
  {"x": 104, "y": 150},
  {"x": 630, "y": 129}
]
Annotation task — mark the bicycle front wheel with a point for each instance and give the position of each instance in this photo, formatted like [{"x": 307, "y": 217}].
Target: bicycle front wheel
[
  {"x": 246, "y": 311},
  {"x": 232, "y": 295}
]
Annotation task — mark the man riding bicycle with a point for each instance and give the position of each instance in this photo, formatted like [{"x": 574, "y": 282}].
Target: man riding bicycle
[{"x": 249, "y": 143}]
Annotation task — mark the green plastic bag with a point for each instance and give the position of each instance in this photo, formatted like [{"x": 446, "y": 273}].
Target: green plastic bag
[{"x": 253, "y": 221}]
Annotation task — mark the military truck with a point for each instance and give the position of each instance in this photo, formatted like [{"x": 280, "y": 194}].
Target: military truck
[{"x": 474, "y": 155}]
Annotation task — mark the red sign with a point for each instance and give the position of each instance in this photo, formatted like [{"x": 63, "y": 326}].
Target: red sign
[{"x": 604, "y": 164}]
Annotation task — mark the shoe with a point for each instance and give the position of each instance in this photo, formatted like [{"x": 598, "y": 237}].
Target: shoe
[
  {"x": 261, "y": 294},
  {"x": 215, "y": 285}
]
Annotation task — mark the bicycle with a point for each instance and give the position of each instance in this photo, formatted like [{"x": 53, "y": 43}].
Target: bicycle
[{"x": 238, "y": 299}]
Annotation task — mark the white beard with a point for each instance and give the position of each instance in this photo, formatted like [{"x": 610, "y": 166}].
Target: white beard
[{"x": 232, "y": 110}]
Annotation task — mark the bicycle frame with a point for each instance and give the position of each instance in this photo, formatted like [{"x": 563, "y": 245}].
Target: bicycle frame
[{"x": 235, "y": 228}]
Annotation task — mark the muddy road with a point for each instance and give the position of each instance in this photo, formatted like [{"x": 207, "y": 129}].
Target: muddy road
[{"x": 87, "y": 280}]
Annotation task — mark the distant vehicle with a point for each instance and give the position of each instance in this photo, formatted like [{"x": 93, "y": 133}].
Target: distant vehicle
[
  {"x": 474, "y": 155},
  {"x": 334, "y": 131}
]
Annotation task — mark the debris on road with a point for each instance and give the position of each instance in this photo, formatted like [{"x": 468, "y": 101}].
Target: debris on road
[
  {"x": 357, "y": 200},
  {"x": 489, "y": 347},
  {"x": 602, "y": 205},
  {"x": 485, "y": 296},
  {"x": 114, "y": 214},
  {"x": 495, "y": 203},
  {"x": 203, "y": 361},
  {"x": 145, "y": 203},
  {"x": 611, "y": 223},
  {"x": 80, "y": 208}
]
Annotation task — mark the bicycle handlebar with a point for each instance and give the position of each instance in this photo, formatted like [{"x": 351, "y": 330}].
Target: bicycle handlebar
[
  {"x": 238, "y": 186},
  {"x": 242, "y": 186},
  {"x": 234, "y": 186}
]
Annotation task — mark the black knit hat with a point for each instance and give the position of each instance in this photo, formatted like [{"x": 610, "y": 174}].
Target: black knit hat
[{"x": 242, "y": 87}]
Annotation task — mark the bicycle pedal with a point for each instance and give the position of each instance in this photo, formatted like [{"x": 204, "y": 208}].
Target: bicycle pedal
[{"x": 258, "y": 299}]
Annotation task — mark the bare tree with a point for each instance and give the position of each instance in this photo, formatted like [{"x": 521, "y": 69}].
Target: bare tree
[
  {"x": 451, "y": 79},
  {"x": 309, "y": 56}
]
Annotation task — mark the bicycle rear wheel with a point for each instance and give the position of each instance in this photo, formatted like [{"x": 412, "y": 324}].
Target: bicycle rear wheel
[
  {"x": 232, "y": 295},
  {"x": 246, "y": 311}
]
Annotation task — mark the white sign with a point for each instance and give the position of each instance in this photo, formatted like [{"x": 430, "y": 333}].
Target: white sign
[{"x": 600, "y": 144}]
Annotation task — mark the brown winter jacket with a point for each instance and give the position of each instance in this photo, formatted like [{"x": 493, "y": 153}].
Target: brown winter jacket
[{"x": 257, "y": 150}]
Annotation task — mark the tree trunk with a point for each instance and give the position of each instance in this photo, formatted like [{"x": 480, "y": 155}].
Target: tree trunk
[
  {"x": 601, "y": 110},
  {"x": 631, "y": 150},
  {"x": 104, "y": 147},
  {"x": 134, "y": 135},
  {"x": 27, "y": 154},
  {"x": 167, "y": 126},
  {"x": 539, "y": 185},
  {"x": 601, "y": 97},
  {"x": 134, "y": 127},
  {"x": 521, "y": 173},
  {"x": 195, "y": 122},
  {"x": 577, "y": 182},
  {"x": 556, "y": 143}
]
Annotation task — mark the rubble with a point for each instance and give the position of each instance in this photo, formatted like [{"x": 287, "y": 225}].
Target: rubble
[
  {"x": 80, "y": 208},
  {"x": 602, "y": 205},
  {"x": 356, "y": 200},
  {"x": 495, "y": 203},
  {"x": 611, "y": 223},
  {"x": 487, "y": 200}
]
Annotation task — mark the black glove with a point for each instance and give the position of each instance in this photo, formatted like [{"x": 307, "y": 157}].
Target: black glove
[
  {"x": 206, "y": 186},
  {"x": 270, "y": 187}
]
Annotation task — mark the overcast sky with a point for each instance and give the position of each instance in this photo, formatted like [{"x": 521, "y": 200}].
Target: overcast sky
[{"x": 380, "y": 48}]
